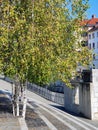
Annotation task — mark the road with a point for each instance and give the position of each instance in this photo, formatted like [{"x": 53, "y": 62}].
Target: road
[{"x": 53, "y": 114}]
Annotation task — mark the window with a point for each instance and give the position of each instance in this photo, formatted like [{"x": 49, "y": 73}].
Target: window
[
  {"x": 89, "y": 36},
  {"x": 93, "y": 35},
  {"x": 93, "y": 66},
  {"x": 84, "y": 34},
  {"x": 97, "y": 34},
  {"x": 90, "y": 46},
  {"x": 93, "y": 56},
  {"x": 93, "y": 45},
  {"x": 84, "y": 43}
]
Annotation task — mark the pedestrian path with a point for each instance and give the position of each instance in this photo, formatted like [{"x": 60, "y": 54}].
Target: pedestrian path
[
  {"x": 41, "y": 114},
  {"x": 8, "y": 122},
  {"x": 34, "y": 120}
]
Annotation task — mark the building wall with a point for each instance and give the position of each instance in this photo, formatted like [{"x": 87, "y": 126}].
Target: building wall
[{"x": 93, "y": 45}]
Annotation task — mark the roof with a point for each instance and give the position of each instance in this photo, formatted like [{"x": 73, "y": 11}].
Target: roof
[
  {"x": 90, "y": 22},
  {"x": 93, "y": 29}
]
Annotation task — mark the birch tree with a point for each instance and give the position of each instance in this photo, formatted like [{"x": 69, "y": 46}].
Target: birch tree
[
  {"x": 57, "y": 45},
  {"x": 39, "y": 42},
  {"x": 15, "y": 45}
]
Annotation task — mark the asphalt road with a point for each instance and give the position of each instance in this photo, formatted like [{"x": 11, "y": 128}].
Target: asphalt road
[{"x": 54, "y": 115}]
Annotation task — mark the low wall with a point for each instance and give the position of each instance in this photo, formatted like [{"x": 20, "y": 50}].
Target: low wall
[
  {"x": 53, "y": 96},
  {"x": 94, "y": 94},
  {"x": 71, "y": 99},
  {"x": 85, "y": 100},
  {"x": 8, "y": 79}
]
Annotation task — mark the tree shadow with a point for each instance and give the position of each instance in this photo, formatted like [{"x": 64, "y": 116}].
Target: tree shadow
[
  {"x": 62, "y": 109},
  {"x": 5, "y": 103}
]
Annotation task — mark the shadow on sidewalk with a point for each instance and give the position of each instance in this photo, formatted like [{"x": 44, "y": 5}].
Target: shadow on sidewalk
[
  {"x": 5, "y": 103},
  {"x": 66, "y": 111},
  {"x": 33, "y": 120}
]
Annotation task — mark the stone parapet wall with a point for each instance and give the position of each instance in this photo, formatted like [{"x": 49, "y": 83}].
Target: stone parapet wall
[
  {"x": 85, "y": 100},
  {"x": 87, "y": 96},
  {"x": 71, "y": 99},
  {"x": 94, "y": 94}
]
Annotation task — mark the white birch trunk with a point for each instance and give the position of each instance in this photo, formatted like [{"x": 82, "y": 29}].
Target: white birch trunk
[
  {"x": 13, "y": 106},
  {"x": 24, "y": 103},
  {"x": 17, "y": 101},
  {"x": 24, "y": 108},
  {"x": 17, "y": 108},
  {"x": 15, "y": 92},
  {"x": 19, "y": 94},
  {"x": 13, "y": 109}
]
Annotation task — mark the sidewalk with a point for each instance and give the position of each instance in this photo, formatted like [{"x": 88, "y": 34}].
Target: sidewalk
[
  {"x": 9, "y": 122},
  {"x": 34, "y": 121}
]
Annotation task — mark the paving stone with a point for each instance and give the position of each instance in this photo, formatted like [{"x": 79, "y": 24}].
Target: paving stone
[
  {"x": 34, "y": 122},
  {"x": 9, "y": 122}
]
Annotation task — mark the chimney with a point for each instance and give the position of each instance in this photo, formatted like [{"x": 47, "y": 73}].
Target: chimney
[{"x": 93, "y": 16}]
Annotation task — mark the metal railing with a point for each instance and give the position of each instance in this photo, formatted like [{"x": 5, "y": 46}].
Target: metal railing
[{"x": 44, "y": 92}]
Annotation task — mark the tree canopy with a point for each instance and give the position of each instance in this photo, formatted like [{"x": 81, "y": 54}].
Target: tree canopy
[
  {"x": 16, "y": 37},
  {"x": 40, "y": 39}
]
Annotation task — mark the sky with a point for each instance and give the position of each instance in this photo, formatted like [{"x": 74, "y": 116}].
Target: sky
[{"x": 93, "y": 9}]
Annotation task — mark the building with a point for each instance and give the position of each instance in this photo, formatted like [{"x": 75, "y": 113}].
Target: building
[
  {"x": 88, "y": 24},
  {"x": 83, "y": 98},
  {"x": 93, "y": 44},
  {"x": 90, "y": 38}
]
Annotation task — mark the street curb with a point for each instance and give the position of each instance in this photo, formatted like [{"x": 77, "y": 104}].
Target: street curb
[{"x": 23, "y": 124}]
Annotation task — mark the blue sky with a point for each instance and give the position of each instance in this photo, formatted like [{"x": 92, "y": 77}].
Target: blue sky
[{"x": 93, "y": 8}]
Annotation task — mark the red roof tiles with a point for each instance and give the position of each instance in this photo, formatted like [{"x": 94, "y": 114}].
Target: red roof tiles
[{"x": 91, "y": 22}]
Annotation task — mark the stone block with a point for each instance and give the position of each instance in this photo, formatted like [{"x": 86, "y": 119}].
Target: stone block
[
  {"x": 96, "y": 115},
  {"x": 96, "y": 95},
  {"x": 95, "y": 100},
  {"x": 95, "y": 105},
  {"x": 95, "y": 109},
  {"x": 95, "y": 76},
  {"x": 96, "y": 88}
]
